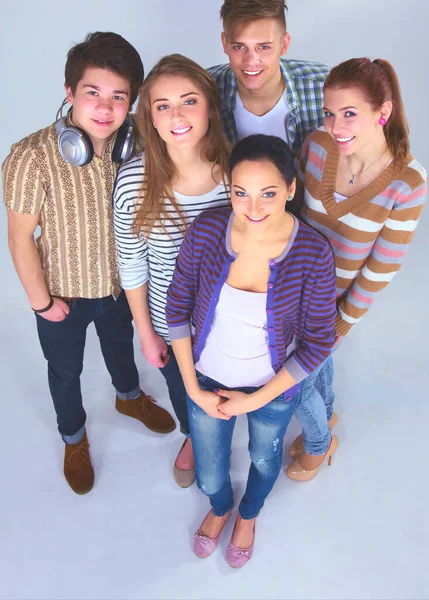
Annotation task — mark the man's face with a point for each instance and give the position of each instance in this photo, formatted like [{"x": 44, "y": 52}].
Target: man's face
[
  {"x": 100, "y": 103},
  {"x": 254, "y": 52}
]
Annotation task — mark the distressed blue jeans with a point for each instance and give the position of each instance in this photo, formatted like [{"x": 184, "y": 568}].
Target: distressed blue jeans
[
  {"x": 211, "y": 441},
  {"x": 315, "y": 408}
]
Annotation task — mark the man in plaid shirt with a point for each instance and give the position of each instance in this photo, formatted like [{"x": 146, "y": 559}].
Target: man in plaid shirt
[{"x": 260, "y": 91}]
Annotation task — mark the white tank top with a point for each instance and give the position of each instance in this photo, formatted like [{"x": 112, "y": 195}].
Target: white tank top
[{"x": 236, "y": 352}]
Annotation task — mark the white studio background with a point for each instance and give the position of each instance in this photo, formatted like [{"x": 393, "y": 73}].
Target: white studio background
[
  {"x": 361, "y": 529},
  {"x": 35, "y": 37}
]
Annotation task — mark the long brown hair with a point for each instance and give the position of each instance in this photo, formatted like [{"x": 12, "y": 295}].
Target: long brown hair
[
  {"x": 159, "y": 169},
  {"x": 378, "y": 82}
]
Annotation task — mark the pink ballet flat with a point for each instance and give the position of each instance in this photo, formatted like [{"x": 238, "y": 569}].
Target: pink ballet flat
[
  {"x": 203, "y": 545},
  {"x": 237, "y": 557}
]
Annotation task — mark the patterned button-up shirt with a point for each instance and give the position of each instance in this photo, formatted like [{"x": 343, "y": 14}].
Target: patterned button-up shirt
[
  {"x": 76, "y": 244},
  {"x": 304, "y": 91}
]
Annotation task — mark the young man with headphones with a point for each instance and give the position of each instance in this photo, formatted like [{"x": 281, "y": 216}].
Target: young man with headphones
[{"x": 61, "y": 179}]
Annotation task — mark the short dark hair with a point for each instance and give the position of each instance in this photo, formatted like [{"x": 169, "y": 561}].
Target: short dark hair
[
  {"x": 105, "y": 50},
  {"x": 243, "y": 12},
  {"x": 264, "y": 147}
]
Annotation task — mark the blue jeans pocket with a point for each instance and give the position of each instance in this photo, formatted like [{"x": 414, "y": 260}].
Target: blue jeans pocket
[
  {"x": 72, "y": 306},
  {"x": 201, "y": 378}
]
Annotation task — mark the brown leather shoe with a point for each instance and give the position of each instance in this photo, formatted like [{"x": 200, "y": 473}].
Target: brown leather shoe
[
  {"x": 145, "y": 409},
  {"x": 77, "y": 466}
]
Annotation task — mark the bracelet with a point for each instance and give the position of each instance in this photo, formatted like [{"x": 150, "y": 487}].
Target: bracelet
[{"x": 42, "y": 310}]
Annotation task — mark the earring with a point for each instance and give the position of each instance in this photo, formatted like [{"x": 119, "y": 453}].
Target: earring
[
  {"x": 290, "y": 198},
  {"x": 154, "y": 126},
  {"x": 382, "y": 121}
]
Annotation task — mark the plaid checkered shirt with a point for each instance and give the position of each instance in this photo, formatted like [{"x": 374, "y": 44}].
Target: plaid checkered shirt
[{"x": 304, "y": 90}]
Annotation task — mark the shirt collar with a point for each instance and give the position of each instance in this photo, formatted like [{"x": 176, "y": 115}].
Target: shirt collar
[
  {"x": 230, "y": 99},
  {"x": 291, "y": 93},
  {"x": 273, "y": 261}
]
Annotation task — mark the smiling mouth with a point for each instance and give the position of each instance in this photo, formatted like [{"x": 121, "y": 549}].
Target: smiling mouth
[
  {"x": 102, "y": 122},
  {"x": 344, "y": 140},
  {"x": 255, "y": 219},
  {"x": 181, "y": 130},
  {"x": 252, "y": 73}
]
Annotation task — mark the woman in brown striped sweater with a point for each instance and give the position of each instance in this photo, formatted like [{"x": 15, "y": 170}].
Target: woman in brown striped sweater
[{"x": 364, "y": 191}]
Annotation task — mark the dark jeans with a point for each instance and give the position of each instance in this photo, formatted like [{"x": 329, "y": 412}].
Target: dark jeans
[
  {"x": 176, "y": 390},
  {"x": 63, "y": 346}
]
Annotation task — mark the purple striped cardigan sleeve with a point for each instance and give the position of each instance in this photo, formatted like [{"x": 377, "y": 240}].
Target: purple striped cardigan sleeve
[
  {"x": 318, "y": 333},
  {"x": 182, "y": 290}
]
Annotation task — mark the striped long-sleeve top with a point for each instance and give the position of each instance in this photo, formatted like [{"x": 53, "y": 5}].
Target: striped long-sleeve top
[
  {"x": 152, "y": 259},
  {"x": 370, "y": 232},
  {"x": 300, "y": 304}
]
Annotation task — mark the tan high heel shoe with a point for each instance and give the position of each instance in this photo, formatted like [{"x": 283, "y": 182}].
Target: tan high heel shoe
[
  {"x": 296, "y": 472},
  {"x": 297, "y": 446},
  {"x": 183, "y": 477}
]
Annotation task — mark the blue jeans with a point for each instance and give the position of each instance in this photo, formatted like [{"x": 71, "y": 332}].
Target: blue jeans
[
  {"x": 315, "y": 408},
  {"x": 211, "y": 440},
  {"x": 63, "y": 344},
  {"x": 176, "y": 391}
]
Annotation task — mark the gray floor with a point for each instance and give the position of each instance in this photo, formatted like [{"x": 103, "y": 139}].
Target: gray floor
[{"x": 359, "y": 530}]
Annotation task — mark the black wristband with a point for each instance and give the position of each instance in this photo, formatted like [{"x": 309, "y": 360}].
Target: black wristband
[{"x": 42, "y": 310}]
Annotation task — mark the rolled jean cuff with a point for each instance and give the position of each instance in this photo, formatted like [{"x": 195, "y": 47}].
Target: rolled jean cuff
[
  {"x": 75, "y": 438},
  {"x": 318, "y": 449},
  {"x": 247, "y": 517},
  {"x": 223, "y": 512},
  {"x": 135, "y": 393}
]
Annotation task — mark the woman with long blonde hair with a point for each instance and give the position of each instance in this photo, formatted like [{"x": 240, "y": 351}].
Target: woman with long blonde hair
[{"x": 157, "y": 196}]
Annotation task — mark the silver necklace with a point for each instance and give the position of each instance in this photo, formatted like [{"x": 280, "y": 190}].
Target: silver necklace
[{"x": 354, "y": 175}]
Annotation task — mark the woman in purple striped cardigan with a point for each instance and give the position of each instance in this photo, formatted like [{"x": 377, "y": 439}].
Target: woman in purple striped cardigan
[{"x": 250, "y": 312}]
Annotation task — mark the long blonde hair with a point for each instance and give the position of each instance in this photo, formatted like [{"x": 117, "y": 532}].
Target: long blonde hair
[{"x": 159, "y": 169}]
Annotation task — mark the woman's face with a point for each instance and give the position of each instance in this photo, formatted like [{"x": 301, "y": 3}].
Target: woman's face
[
  {"x": 350, "y": 120},
  {"x": 259, "y": 194},
  {"x": 180, "y": 111}
]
